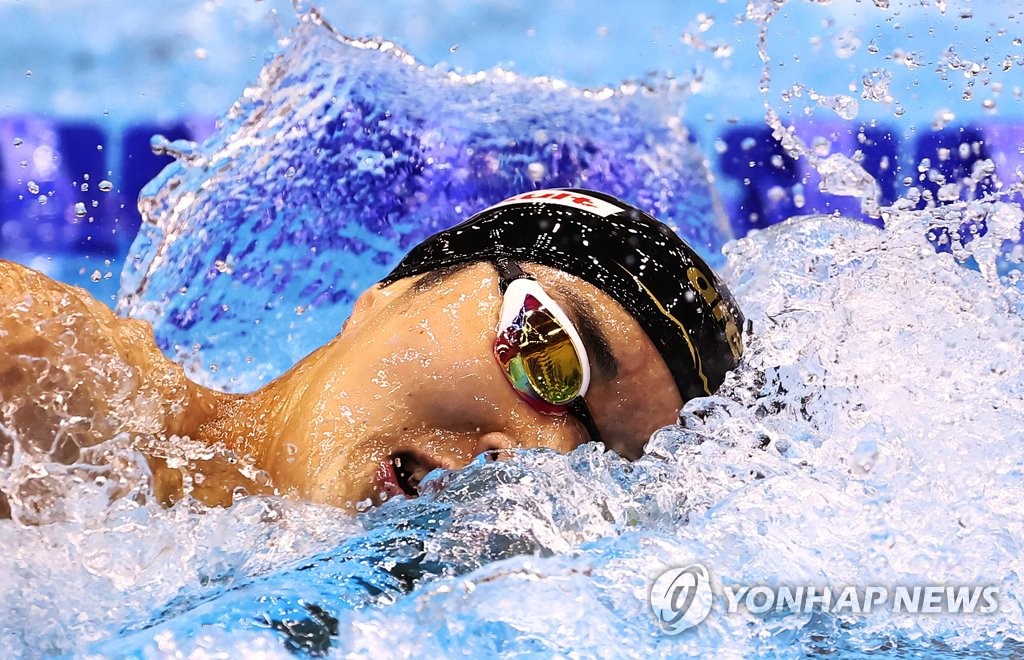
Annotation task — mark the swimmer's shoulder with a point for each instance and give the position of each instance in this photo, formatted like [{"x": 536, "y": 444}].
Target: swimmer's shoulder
[
  {"x": 57, "y": 340},
  {"x": 33, "y": 303},
  {"x": 25, "y": 292},
  {"x": 64, "y": 354}
]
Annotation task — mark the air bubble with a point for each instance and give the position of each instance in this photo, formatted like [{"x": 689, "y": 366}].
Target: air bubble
[
  {"x": 33, "y": 187},
  {"x": 105, "y": 186},
  {"x": 80, "y": 210}
]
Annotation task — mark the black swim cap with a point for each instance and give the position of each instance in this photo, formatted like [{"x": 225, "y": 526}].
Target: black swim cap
[{"x": 684, "y": 308}]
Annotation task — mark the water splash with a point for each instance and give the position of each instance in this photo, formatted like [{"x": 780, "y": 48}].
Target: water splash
[
  {"x": 888, "y": 92},
  {"x": 329, "y": 169},
  {"x": 861, "y": 442}
]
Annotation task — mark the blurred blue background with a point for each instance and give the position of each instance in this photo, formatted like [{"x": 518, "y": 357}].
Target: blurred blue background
[{"x": 86, "y": 86}]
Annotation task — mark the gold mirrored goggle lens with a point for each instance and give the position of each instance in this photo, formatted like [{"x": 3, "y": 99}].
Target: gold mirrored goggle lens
[
  {"x": 539, "y": 357},
  {"x": 552, "y": 365}
]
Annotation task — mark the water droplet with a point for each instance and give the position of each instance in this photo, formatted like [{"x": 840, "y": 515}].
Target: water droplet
[
  {"x": 846, "y": 44},
  {"x": 96, "y": 276},
  {"x": 942, "y": 118},
  {"x": 721, "y": 51},
  {"x": 300, "y": 310},
  {"x": 454, "y": 48},
  {"x": 18, "y": 142},
  {"x": 843, "y": 105},
  {"x": 43, "y": 200},
  {"x": 80, "y": 210},
  {"x": 777, "y": 193},
  {"x": 84, "y": 187},
  {"x": 28, "y": 73},
  {"x": 842, "y": 176},
  {"x": 949, "y": 192},
  {"x": 106, "y": 186},
  {"x": 704, "y": 22}
]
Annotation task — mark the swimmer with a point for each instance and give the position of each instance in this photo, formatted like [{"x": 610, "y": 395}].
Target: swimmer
[{"x": 551, "y": 319}]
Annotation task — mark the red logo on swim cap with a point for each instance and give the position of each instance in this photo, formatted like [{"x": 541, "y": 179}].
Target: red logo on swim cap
[{"x": 564, "y": 198}]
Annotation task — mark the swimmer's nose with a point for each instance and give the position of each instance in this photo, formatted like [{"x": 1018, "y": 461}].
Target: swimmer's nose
[{"x": 495, "y": 441}]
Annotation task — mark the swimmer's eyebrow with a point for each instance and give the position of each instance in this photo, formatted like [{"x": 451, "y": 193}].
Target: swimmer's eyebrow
[{"x": 594, "y": 340}]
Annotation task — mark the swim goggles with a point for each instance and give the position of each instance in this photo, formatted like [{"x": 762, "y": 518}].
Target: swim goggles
[{"x": 539, "y": 349}]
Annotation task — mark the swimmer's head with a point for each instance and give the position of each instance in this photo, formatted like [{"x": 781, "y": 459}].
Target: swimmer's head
[
  {"x": 545, "y": 321},
  {"x": 640, "y": 262}
]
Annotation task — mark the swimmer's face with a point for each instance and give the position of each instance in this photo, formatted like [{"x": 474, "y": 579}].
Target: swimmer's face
[{"x": 413, "y": 381}]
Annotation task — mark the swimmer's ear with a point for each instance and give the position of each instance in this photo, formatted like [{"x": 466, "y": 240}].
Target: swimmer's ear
[
  {"x": 367, "y": 300},
  {"x": 373, "y": 301},
  {"x": 364, "y": 306},
  {"x": 368, "y": 304}
]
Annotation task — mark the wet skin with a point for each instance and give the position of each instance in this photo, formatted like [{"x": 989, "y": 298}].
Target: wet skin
[{"x": 412, "y": 376}]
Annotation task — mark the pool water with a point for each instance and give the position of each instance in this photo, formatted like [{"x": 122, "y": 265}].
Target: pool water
[{"x": 868, "y": 438}]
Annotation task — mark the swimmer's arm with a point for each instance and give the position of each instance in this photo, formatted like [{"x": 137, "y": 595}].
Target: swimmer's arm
[{"x": 64, "y": 357}]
